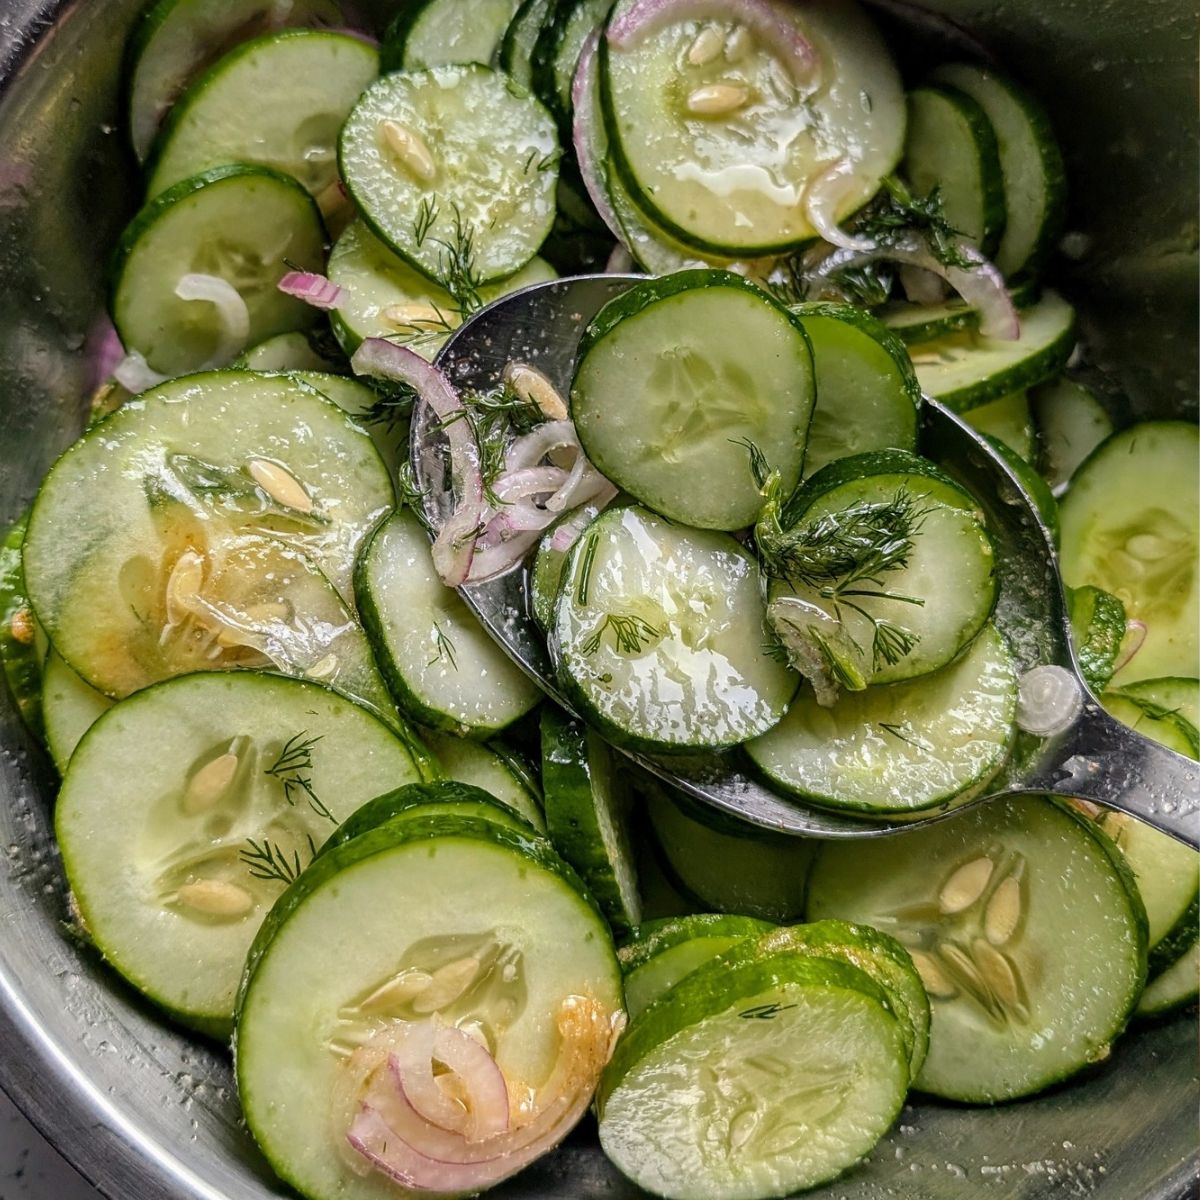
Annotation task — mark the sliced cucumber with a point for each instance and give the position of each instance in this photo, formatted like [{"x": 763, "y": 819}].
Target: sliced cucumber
[
  {"x": 1098, "y": 628},
  {"x": 227, "y": 784},
  {"x": 176, "y": 39},
  {"x": 433, "y": 33},
  {"x": 867, "y": 393},
  {"x": 382, "y": 296},
  {"x": 300, "y": 85},
  {"x": 1175, "y": 987},
  {"x": 291, "y": 352},
  {"x": 660, "y": 636},
  {"x": 450, "y": 164},
  {"x": 664, "y": 951},
  {"x": 588, "y": 813},
  {"x": 516, "y": 47},
  {"x": 443, "y": 668},
  {"x": 676, "y": 377},
  {"x": 914, "y": 324},
  {"x": 70, "y": 708},
  {"x": 900, "y": 747},
  {"x": 978, "y": 901},
  {"x": 20, "y": 660},
  {"x": 1129, "y": 526},
  {"x": 950, "y": 145},
  {"x": 495, "y": 768},
  {"x": 1008, "y": 420},
  {"x": 1173, "y": 693},
  {"x": 1037, "y": 488},
  {"x": 567, "y": 26},
  {"x": 1072, "y": 423},
  {"x": 722, "y": 154},
  {"x": 240, "y": 225},
  {"x": 1030, "y": 162},
  {"x": 914, "y": 617},
  {"x": 965, "y": 370},
  {"x": 440, "y": 900},
  {"x": 743, "y": 872},
  {"x": 794, "y": 1068},
  {"x": 551, "y": 560},
  {"x": 173, "y": 536}
]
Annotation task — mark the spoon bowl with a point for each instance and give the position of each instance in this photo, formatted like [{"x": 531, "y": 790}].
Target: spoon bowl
[{"x": 1091, "y": 756}]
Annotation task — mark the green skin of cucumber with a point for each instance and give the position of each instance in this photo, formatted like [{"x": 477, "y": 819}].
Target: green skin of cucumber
[
  {"x": 19, "y": 658},
  {"x": 653, "y": 937}
]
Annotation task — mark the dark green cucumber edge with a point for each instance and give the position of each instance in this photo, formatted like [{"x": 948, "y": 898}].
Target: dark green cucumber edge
[
  {"x": 1038, "y": 489},
  {"x": 21, "y": 662},
  {"x": 529, "y": 10},
  {"x": 651, "y": 938},
  {"x": 545, "y": 56},
  {"x": 394, "y": 42}
]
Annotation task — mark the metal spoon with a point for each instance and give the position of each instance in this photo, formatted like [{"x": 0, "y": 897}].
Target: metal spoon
[{"x": 1094, "y": 758}]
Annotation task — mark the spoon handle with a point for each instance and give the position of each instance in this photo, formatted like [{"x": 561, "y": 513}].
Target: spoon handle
[{"x": 1101, "y": 760}]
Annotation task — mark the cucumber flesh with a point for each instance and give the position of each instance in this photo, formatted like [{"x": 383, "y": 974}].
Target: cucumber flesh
[
  {"x": 1071, "y": 423},
  {"x": 1175, "y": 694},
  {"x": 175, "y": 870},
  {"x": 917, "y": 323},
  {"x": 20, "y": 660},
  {"x": 516, "y": 47},
  {"x": 289, "y": 352},
  {"x": 551, "y": 560},
  {"x": 901, "y": 747},
  {"x": 494, "y": 768},
  {"x": 978, "y": 902},
  {"x": 436, "y": 32},
  {"x": 300, "y": 86},
  {"x": 1176, "y": 986},
  {"x": 70, "y": 708},
  {"x": 1098, "y": 628},
  {"x": 1126, "y": 528},
  {"x": 1008, "y": 420}
]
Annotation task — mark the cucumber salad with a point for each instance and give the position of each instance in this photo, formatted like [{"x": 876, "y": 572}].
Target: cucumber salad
[{"x": 310, "y": 807}]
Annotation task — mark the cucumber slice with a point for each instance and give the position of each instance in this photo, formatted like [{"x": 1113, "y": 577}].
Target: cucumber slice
[
  {"x": 965, "y": 370},
  {"x": 433, "y": 33},
  {"x": 919, "y": 614},
  {"x": 660, "y": 636},
  {"x": 1098, "y": 628},
  {"x": 741, "y": 872},
  {"x": 228, "y": 783},
  {"x": 1030, "y": 162},
  {"x": 299, "y": 85},
  {"x": 420, "y": 896},
  {"x": 665, "y": 951},
  {"x": 1174, "y": 988},
  {"x": 867, "y": 393},
  {"x": 676, "y": 376},
  {"x": 1032, "y": 482},
  {"x": 551, "y": 560},
  {"x": 1128, "y": 526},
  {"x": 176, "y": 39},
  {"x": 173, "y": 469},
  {"x": 494, "y": 768},
  {"x": 242, "y": 225},
  {"x": 587, "y": 814},
  {"x": 1176, "y": 695},
  {"x": 516, "y": 47},
  {"x": 727, "y": 170},
  {"x": 1072, "y": 423},
  {"x": 290, "y": 352},
  {"x": 914, "y": 324},
  {"x": 950, "y": 145},
  {"x": 978, "y": 901},
  {"x": 900, "y": 747},
  {"x": 469, "y": 195},
  {"x": 1008, "y": 420},
  {"x": 382, "y": 296},
  {"x": 20, "y": 659},
  {"x": 70, "y": 708},
  {"x": 442, "y": 666},
  {"x": 567, "y": 26},
  {"x": 794, "y": 1068}
]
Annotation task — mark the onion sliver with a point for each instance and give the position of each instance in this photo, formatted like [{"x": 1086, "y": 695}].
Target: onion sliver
[
  {"x": 233, "y": 316},
  {"x": 313, "y": 289}
]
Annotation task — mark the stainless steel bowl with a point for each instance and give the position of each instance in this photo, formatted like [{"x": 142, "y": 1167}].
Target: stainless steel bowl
[{"x": 149, "y": 1114}]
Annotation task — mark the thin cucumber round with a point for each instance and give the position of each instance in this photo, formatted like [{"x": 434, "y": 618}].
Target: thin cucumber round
[
  {"x": 867, "y": 392},
  {"x": 433, "y": 33},
  {"x": 1037, "y": 488},
  {"x": 516, "y": 47},
  {"x": 566, "y": 28},
  {"x": 1128, "y": 526},
  {"x": 1009, "y": 421},
  {"x": 551, "y": 560},
  {"x": 917, "y": 323},
  {"x": 455, "y": 169},
  {"x": 1071, "y": 423},
  {"x": 495, "y": 768},
  {"x": 742, "y": 873},
  {"x": 300, "y": 85},
  {"x": 701, "y": 145},
  {"x": 950, "y": 145},
  {"x": 291, "y": 352},
  {"x": 1176, "y": 987},
  {"x": 795, "y": 1066},
  {"x": 175, "y": 39},
  {"x": 1098, "y": 627},
  {"x": 588, "y": 815},
  {"x": 1175, "y": 694},
  {"x": 1030, "y": 162},
  {"x": 659, "y": 631},
  {"x": 965, "y": 370},
  {"x": 677, "y": 378},
  {"x": 447, "y": 920},
  {"x": 20, "y": 658},
  {"x": 442, "y": 666},
  {"x": 228, "y": 782},
  {"x": 1019, "y": 1001},
  {"x": 900, "y": 747},
  {"x": 70, "y": 708},
  {"x": 218, "y": 223}
]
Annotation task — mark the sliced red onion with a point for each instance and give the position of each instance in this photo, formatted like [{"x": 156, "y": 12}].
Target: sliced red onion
[
  {"x": 921, "y": 286},
  {"x": 103, "y": 352},
  {"x": 313, "y": 289},
  {"x": 583, "y": 484},
  {"x": 486, "y": 1091},
  {"x": 982, "y": 286},
  {"x": 587, "y": 134},
  {"x": 490, "y": 560},
  {"x": 413, "y": 1053},
  {"x": 529, "y": 481},
  {"x": 1134, "y": 639},
  {"x": 761, "y": 17},
  {"x": 824, "y": 195},
  {"x": 232, "y": 313},
  {"x": 530, "y": 448},
  {"x": 136, "y": 375}
]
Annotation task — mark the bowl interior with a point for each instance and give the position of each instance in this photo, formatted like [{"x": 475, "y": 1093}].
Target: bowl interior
[{"x": 146, "y": 1112}]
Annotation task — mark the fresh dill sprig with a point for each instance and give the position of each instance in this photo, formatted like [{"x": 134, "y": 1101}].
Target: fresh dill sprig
[
  {"x": 890, "y": 642},
  {"x": 493, "y": 416},
  {"x": 445, "y": 648},
  {"x": 630, "y": 633},
  {"x": 894, "y": 731},
  {"x": 427, "y": 214},
  {"x": 392, "y": 405},
  {"x": 586, "y": 562},
  {"x": 457, "y": 270},
  {"x": 408, "y": 492},
  {"x": 266, "y": 860},
  {"x": 759, "y": 467},
  {"x": 897, "y": 210},
  {"x": 289, "y": 768}
]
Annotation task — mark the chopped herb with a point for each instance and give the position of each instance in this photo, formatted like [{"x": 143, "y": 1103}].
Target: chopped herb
[
  {"x": 289, "y": 768},
  {"x": 894, "y": 731},
  {"x": 427, "y": 214},
  {"x": 267, "y": 861},
  {"x": 392, "y": 405},
  {"x": 408, "y": 491},
  {"x": 764, "y": 1012},
  {"x": 585, "y": 571},
  {"x": 896, "y": 211},
  {"x": 445, "y": 648},
  {"x": 630, "y": 633},
  {"x": 759, "y": 467}
]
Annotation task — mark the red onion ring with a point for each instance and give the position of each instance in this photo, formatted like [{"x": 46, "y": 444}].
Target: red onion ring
[
  {"x": 487, "y": 1093},
  {"x": 529, "y": 481},
  {"x": 822, "y": 195},
  {"x": 313, "y": 289},
  {"x": 921, "y": 286},
  {"x": 587, "y": 134},
  {"x": 530, "y": 448},
  {"x": 1134, "y": 639}
]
